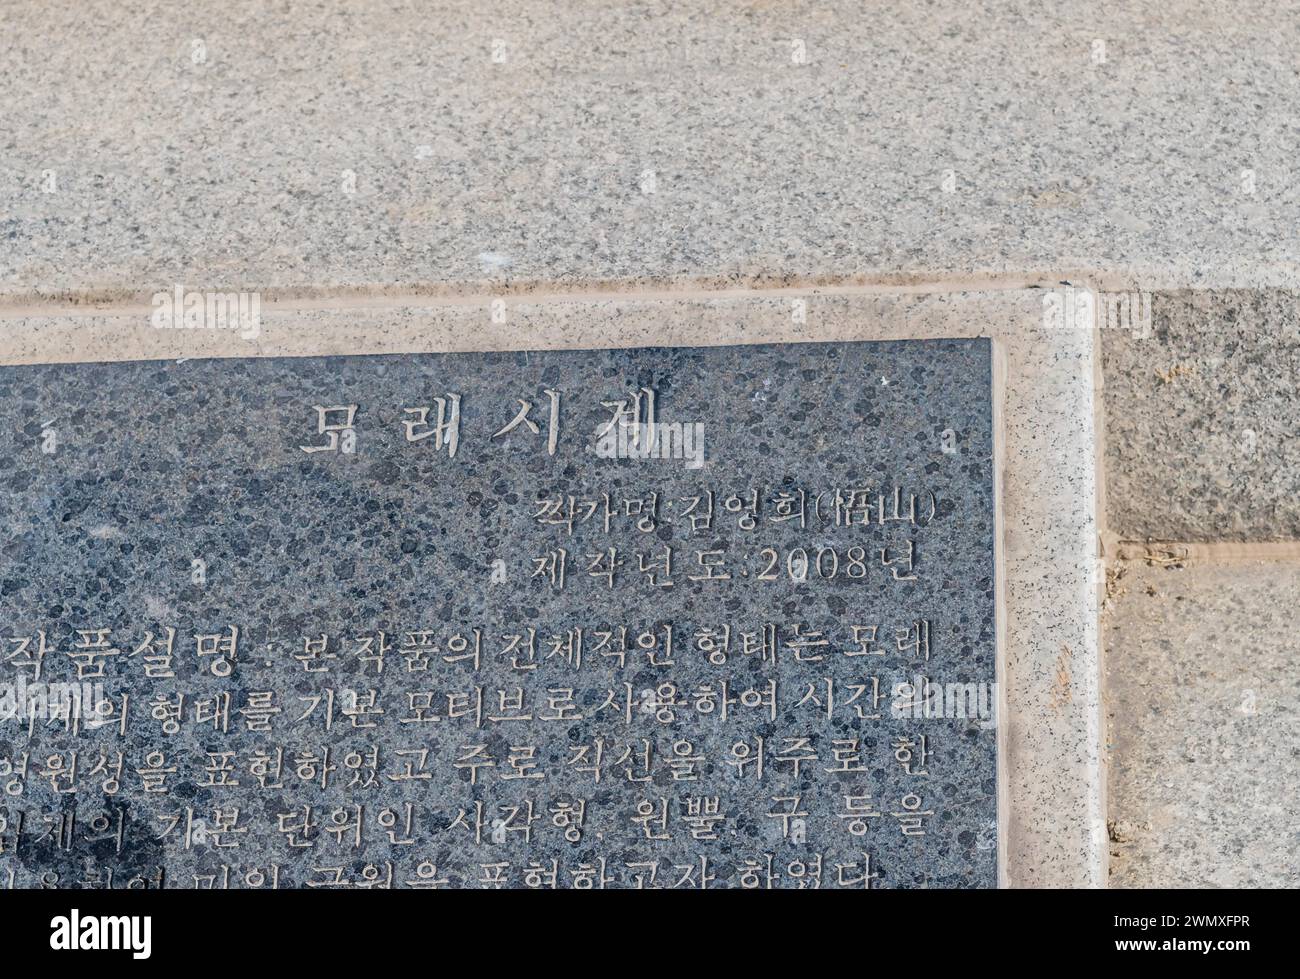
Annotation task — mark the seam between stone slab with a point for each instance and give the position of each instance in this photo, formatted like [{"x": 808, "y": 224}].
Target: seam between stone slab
[
  {"x": 1148, "y": 279},
  {"x": 1056, "y": 833},
  {"x": 137, "y": 299}
]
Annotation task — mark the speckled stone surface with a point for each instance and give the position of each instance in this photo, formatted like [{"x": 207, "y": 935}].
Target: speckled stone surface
[
  {"x": 170, "y": 463},
  {"x": 1203, "y": 729},
  {"x": 1201, "y": 419},
  {"x": 1055, "y": 818},
  {"x": 390, "y": 144}
]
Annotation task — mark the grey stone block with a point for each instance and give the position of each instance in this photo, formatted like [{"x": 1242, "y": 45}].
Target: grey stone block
[
  {"x": 613, "y": 574},
  {"x": 1202, "y": 418}
]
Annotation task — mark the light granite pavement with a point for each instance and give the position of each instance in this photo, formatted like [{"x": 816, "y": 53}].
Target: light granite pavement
[{"x": 392, "y": 144}]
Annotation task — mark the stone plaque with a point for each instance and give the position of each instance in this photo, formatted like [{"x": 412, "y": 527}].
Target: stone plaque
[{"x": 700, "y": 617}]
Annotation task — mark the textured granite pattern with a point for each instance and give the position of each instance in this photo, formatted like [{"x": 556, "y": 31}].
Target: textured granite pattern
[
  {"x": 1204, "y": 735},
  {"x": 1055, "y": 833},
  {"x": 1201, "y": 419},
  {"x": 379, "y": 144},
  {"x": 168, "y": 462}
]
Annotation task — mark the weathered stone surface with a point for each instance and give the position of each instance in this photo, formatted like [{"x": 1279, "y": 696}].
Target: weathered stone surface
[
  {"x": 1204, "y": 738},
  {"x": 1201, "y": 418},
  {"x": 149, "y": 467}
]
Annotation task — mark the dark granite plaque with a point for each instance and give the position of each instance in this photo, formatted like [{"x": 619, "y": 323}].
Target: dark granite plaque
[{"x": 442, "y": 620}]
